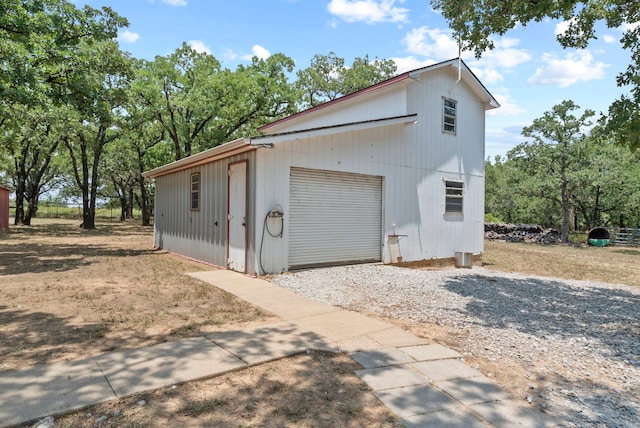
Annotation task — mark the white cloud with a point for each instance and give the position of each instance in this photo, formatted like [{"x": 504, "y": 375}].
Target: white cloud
[
  {"x": 410, "y": 63},
  {"x": 488, "y": 76},
  {"x": 563, "y": 26},
  {"x": 608, "y": 38},
  {"x": 433, "y": 42},
  {"x": 500, "y": 141},
  {"x": 175, "y": 2},
  {"x": 258, "y": 51},
  {"x": 229, "y": 55},
  {"x": 438, "y": 44},
  {"x": 199, "y": 46},
  {"x": 369, "y": 11},
  {"x": 505, "y": 54},
  {"x": 502, "y": 59},
  {"x": 508, "y": 106},
  {"x": 630, "y": 26},
  {"x": 575, "y": 67},
  {"x": 127, "y": 36}
]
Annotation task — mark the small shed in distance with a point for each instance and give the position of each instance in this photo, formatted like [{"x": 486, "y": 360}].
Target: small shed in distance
[{"x": 4, "y": 208}]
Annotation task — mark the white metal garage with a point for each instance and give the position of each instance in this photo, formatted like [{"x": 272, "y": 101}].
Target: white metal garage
[{"x": 336, "y": 218}]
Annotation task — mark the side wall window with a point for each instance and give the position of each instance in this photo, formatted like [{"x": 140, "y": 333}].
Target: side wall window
[
  {"x": 195, "y": 191},
  {"x": 449, "y": 111},
  {"x": 453, "y": 197}
]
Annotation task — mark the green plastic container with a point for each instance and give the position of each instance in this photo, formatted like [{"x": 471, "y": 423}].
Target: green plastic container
[{"x": 599, "y": 242}]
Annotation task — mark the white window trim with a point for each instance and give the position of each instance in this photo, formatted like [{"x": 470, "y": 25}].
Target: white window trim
[
  {"x": 445, "y": 116},
  {"x": 453, "y": 196},
  {"x": 192, "y": 191}
]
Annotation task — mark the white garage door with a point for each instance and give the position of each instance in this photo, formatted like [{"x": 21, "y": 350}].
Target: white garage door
[{"x": 336, "y": 218}]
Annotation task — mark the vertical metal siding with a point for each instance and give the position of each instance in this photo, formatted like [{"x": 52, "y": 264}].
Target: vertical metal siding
[
  {"x": 414, "y": 161},
  {"x": 4, "y": 208},
  {"x": 201, "y": 234},
  {"x": 335, "y": 217}
]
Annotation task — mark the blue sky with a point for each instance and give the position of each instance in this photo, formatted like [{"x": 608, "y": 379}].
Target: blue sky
[{"x": 528, "y": 72}]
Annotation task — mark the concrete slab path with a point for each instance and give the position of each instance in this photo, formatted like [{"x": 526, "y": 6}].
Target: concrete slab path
[{"x": 427, "y": 385}]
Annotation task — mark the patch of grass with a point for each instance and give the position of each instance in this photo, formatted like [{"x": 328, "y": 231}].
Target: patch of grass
[
  {"x": 297, "y": 413},
  {"x": 185, "y": 330},
  {"x": 202, "y": 290},
  {"x": 96, "y": 331},
  {"x": 349, "y": 409},
  {"x": 603, "y": 264},
  {"x": 203, "y": 407},
  {"x": 275, "y": 387}
]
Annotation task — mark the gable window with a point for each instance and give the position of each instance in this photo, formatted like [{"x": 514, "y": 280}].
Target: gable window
[
  {"x": 453, "y": 197},
  {"x": 449, "y": 115},
  {"x": 195, "y": 191}
]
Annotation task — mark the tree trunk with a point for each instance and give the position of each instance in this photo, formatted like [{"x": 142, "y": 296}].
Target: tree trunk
[
  {"x": 19, "y": 217},
  {"x": 144, "y": 203},
  {"x": 130, "y": 200},
  {"x": 145, "y": 207},
  {"x": 123, "y": 209},
  {"x": 564, "y": 195},
  {"x": 596, "y": 208},
  {"x": 21, "y": 183},
  {"x": 566, "y": 214},
  {"x": 32, "y": 209}
]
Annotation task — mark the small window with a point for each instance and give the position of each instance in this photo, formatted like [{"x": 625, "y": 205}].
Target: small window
[
  {"x": 453, "y": 197},
  {"x": 449, "y": 116},
  {"x": 195, "y": 191}
]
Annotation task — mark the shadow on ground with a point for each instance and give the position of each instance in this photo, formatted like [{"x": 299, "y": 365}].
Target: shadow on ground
[
  {"x": 42, "y": 258},
  {"x": 25, "y": 335},
  {"x": 21, "y": 254},
  {"x": 72, "y": 228},
  {"x": 541, "y": 307},
  {"x": 314, "y": 388},
  {"x": 547, "y": 307}
]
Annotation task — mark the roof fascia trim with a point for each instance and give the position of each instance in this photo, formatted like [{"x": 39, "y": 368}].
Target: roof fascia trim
[
  {"x": 222, "y": 151},
  {"x": 268, "y": 140}
]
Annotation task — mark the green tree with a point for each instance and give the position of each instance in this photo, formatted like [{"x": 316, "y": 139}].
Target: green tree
[
  {"x": 37, "y": 37},
  {"x": 120, "y": 174},
  {"x": 31, "y": 139},
  {"x": 39, "y": 48},
  {"x": 475, "y": 22},
  {"x": 555, "y": 154},
  {"x": 199, "y": 105},
  {"x": 328, "y": 78},
  {"x": 97, "y": 94},
  {"x": 501, "y": 201},
  {"x": 604, "y": 185}
]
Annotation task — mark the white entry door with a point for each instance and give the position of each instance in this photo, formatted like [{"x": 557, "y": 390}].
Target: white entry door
[{"x": 237, "y": 217}]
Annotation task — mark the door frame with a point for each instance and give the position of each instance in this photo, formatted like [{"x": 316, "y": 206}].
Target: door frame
[{"x": 246, "y": 209}]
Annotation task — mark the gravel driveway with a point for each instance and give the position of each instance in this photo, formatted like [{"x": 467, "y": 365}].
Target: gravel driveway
[{"x": 576, "y": 343}]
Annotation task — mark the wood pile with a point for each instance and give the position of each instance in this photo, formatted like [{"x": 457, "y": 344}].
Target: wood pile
[{"x": 520, "y": 233}]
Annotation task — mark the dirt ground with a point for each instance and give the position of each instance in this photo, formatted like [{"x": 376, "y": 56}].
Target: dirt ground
[{"x": 67, "y": 293}]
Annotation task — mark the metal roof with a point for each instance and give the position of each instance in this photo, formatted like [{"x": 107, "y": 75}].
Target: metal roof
[{"x": 465, "y": 74}]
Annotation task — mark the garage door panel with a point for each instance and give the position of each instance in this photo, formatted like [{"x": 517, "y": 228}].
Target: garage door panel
[{"x": 335, "y": 217}]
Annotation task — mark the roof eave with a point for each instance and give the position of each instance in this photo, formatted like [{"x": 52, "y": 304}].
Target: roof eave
[
  {"x": 240, "y": 145},
  {"x": 270, "y": 139}
]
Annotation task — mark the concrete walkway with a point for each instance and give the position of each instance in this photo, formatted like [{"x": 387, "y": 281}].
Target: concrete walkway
[{"x": 426, "y": 385}]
